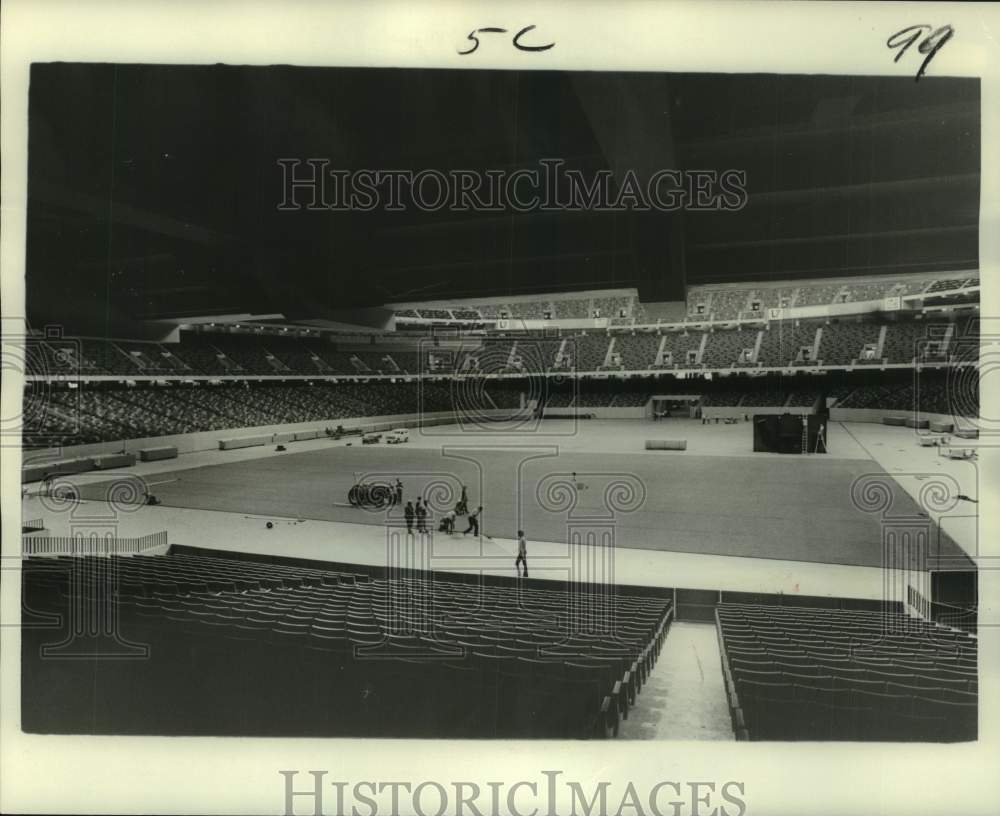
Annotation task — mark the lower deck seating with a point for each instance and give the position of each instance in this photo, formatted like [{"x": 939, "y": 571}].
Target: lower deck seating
[
  {"x": 934, "y": 395},
  {"x": 814, "y": 674},
  {"x": 765, "y": 398},
  {"x": 116, "y": 413},
  {"x": 246, "y": 647},
  {"x": 560, "y": 399},
  {"x": 723, "y": 399},
  {"x": 57, "y": 415},
  {"x": 630, "y": 399},
  {"x": 585, "y": 397}
]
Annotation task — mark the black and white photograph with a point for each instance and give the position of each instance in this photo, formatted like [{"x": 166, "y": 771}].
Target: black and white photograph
[{"x": 498, "y": 402}]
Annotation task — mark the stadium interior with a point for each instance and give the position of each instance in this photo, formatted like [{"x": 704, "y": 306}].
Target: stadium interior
[{"x": 741, "y": 446}]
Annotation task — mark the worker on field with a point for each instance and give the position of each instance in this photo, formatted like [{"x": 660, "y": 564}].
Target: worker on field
[
  {"x": 474, "y": 522},
  {"x": 421, "y": 511},
  {"x": 408, "y": 514},
  {"x": 522, "y": 554}
]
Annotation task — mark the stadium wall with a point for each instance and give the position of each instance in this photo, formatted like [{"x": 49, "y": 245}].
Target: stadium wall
[
  {"x": 877, "y": 414},
  {"x": 209, "y": 440},
  {"x": 874, "y": 415},
  {"x": 596, "y": 412},
  {"x": 711, "y": 597},
  {"x": 739, "y": 411}
]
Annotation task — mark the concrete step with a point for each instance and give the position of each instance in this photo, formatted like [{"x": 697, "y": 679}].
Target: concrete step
[{"x": 684, "y": 697}]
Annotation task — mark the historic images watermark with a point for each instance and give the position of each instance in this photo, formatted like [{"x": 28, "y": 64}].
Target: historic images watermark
[
  {"x": 975, "y": 354},
  {"x": 44, "y": 417},
  {"x": 911, "y": 546},
  {"x": 545, "y": 795},
  {"x": 315, "y": 184},
  {"x": 88, "y": 628}
]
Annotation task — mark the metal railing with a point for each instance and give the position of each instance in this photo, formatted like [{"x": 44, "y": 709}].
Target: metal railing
[{"x": 91, "y": 545}]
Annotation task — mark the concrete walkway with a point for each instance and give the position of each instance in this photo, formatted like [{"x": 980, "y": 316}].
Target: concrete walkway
[{"x": 684, "y": 698}]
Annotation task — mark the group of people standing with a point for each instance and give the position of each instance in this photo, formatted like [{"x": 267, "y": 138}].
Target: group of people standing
[{"x": 416, "y": 515}]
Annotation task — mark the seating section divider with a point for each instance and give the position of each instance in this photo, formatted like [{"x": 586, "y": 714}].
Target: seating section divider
[
  {"x": 243, "y": 442},
  {"x": 156, "y": 454},
  {"x": 35, "y": 472},
  {"x": 666, "y": 444},
  {"x": 110, "y": 461}
]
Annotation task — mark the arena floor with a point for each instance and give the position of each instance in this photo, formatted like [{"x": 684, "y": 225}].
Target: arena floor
[{"x": 716, "y": 498}]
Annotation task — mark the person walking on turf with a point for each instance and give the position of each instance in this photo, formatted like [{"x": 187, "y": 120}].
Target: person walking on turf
[
  {"x": 408, "y": 514},
  {"x": 474, "y": 521},
  {"x": 522, "y": 554},
  {"x": 399, "y": 492},
  {"x": 421, "y": 517},
  {"x": 463, "y": 503}
]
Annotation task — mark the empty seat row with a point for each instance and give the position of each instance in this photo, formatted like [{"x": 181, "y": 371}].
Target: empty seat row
[
  {"x": 813, "y": 674},
  {"x": 487, "y": 660}
]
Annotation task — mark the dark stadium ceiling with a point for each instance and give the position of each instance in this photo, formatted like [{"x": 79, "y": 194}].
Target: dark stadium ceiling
[{"x": 154, "y": 190}]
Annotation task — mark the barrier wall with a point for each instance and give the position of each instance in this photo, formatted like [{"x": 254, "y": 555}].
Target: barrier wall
[
  {"x": 209, "y": 440},
  {"x": 838, "y": 414},
  {"x": 595, "y": 412},
  {"x": 740, "y": 411},
  {"x": 877, "y": 414},
  {"x": 42, "y": 544},
  {"x": 114, "y": 460},
  {"x": 63, "y": 466},
  {"x": 234, "y": 442},
  {"x": 80, "y": 458},
  {"x": 156, "y": 454},
  {"x": 666, "y": 444}
]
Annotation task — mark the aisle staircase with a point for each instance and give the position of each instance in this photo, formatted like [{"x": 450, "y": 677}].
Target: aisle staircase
[{"x": 685, "y": 696}]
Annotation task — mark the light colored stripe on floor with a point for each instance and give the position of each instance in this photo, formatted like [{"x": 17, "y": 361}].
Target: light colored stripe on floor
[
  {"x": 369, "y": 545},
  {"x": 684, "y": 697}
]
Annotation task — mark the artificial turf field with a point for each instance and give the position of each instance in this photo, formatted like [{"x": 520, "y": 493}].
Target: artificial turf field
[{"x": 761, "y": 506}]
